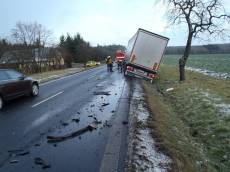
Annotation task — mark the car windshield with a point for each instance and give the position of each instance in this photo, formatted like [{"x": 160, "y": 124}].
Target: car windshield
[
  {"x": 3, "y": 76},
  {"x": 13, "y": 74}
]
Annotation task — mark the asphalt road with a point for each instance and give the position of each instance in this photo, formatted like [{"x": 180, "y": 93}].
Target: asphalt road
[{"x": 25, "y": 124}]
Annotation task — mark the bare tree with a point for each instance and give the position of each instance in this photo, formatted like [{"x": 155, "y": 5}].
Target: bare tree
[
  {"x": 35, "y": 38},
  {"x": 201, "y": 17},
  {"x": 31, "y": 34}
]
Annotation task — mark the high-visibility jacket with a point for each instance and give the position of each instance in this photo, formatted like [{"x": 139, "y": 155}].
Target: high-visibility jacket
[{"x": 110, "y": 61}]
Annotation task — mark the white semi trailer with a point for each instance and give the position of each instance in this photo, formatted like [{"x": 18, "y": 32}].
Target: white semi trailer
[{"x": 144, "y": 54}]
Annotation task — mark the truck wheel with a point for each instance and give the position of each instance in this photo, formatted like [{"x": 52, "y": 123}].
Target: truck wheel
[
  {"x": 1, "y": 103},
  {"x": 34, "y": 90}
]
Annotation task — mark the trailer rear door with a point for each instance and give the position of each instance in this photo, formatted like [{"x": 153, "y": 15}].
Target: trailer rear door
[{"x": 148, "y": 49}]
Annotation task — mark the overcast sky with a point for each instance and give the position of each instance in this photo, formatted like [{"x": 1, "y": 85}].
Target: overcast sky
[{"x": 98, "y": 21}]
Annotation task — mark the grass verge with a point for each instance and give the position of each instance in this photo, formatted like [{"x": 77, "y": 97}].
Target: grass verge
[
  {"x": 55, "y": 74},
  {"x": 192, "y": 122}
]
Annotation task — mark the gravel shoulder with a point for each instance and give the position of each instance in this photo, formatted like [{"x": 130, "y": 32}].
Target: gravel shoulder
[{"x": 143, "y": 154}]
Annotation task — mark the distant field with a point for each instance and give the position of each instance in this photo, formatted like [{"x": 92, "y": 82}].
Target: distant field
[{"x": 212, "y": 62}]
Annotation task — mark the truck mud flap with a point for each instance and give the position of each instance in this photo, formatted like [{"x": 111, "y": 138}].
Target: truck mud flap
[{"x": 132, "y": 74}]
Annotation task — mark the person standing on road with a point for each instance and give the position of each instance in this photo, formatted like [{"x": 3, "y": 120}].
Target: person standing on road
[
  {"x": 110, "y": 62},
  {"x": 107, "y": 63}
]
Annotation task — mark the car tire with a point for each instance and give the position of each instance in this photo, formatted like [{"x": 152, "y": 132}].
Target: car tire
[
  {"x": 1, "y": 103},
  {"x": 34, "y": 90}
]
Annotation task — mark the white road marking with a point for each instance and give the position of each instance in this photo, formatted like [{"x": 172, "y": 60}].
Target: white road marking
[{"x": 46, "y": 99}]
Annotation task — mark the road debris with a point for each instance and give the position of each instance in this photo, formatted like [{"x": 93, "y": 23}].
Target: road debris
[
  {"x": 124, "y": 122},
  {"x": 90, "y": 127},
  {"x": 14, "y": 161},
  {"x": 105, "y": 104},
  {"x": 169, "y": 89},
  {"x": 43, "y": 163},
  {"x": 23, "y": 153},
  {"x": 18, "y": 152},
  {"x": 96, "y": 121},
  {"x": 77, "y": 120},
  {"x": 106, "y": 124},
  {"x": 64, "y": 123},
  {"x": 106, "y": 93},
  {"x": 37, "y": 144}
]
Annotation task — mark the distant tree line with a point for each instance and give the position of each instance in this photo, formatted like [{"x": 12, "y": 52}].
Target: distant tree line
[
  {"x": 202, "y": 49},
  {"x": 77, "y": 50},
  {"x": 30, "y": 49}
]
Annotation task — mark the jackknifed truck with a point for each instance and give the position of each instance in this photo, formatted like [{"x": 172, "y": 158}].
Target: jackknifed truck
[{"x": 144, "y": 53}]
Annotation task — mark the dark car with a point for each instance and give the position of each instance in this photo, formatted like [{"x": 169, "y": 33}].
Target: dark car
[{"x": 14, "y": 84}]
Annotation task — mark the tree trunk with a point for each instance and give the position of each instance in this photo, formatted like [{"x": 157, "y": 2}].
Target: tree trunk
[
  {"x": 183, "y": 59},
  {"x": 182, "y": 69}
]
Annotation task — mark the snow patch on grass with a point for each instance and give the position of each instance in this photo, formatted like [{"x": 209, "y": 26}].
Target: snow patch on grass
[
  {"x": 210, "y": 73},
  {"x": 216, "y": 101}
]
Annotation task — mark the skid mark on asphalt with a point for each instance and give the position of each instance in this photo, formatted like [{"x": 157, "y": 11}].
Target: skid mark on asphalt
[{"x": 42, "y": 119}]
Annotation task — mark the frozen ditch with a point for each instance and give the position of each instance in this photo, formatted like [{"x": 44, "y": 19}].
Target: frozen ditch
[
  {"x": 210, "y": 73},
  {"x": 142, "y": 152}
]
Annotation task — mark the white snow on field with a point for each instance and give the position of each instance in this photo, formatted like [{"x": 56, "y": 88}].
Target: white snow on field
[
  {"x": 216, "y": 101},
  {"x": 210, "y": 73}
]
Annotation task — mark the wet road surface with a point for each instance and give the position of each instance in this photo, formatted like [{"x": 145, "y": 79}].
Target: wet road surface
[{"x": 65, "y": 106}]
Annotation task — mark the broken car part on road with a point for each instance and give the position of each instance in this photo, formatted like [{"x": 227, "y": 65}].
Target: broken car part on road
[
  {"x": 43, "y": 163},
  {"x": 106, "y": 93},
  {"x": 53, "y": 139},
  {"x": 105, "y": 104}
]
